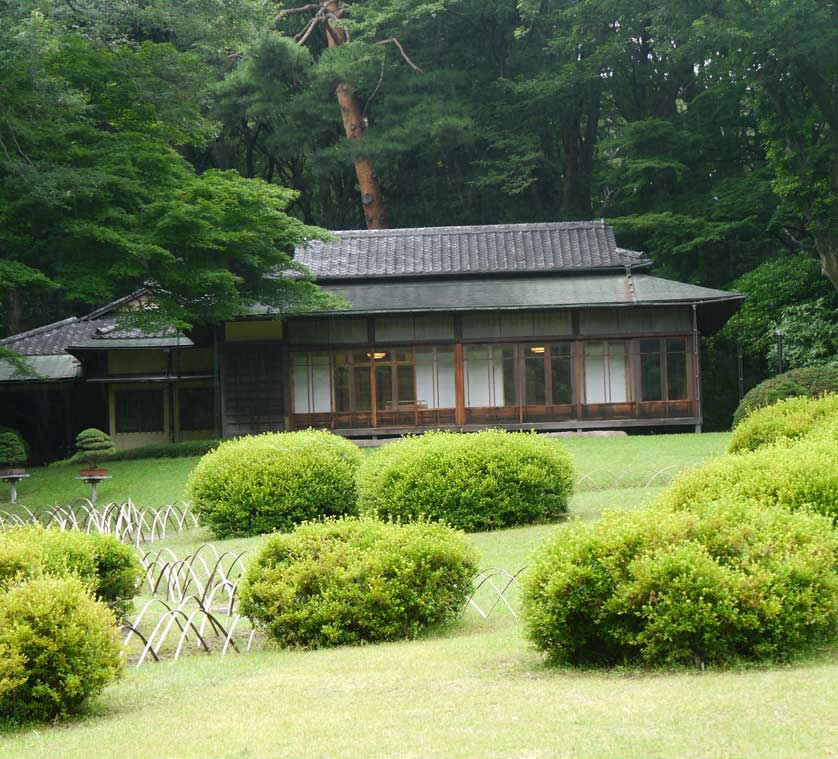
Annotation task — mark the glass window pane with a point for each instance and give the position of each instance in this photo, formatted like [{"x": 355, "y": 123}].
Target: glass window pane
[
  {"x": 321, "y": 383},
  {"x": 650, "y": 346},
  {"x": 425, "y": 381},
  {"x": 561, "y": 373},
  {"x": 617, "y": 373},
  {"x": 384, "y": 387},
  {"x": 477, "y": 368},
  {"x": 676, "y": 376},
  {"x": 445, "y": 382},
  {"x": 342, "y": 397},
  {"x": 359, "y": 358},
  {"x": 507, "y": 391},
  {"x": 299, "y": 382},
  {"x": 595, "y": 373},
  {"x": 363, "y": 388},
  {"x": 535, "y": 388},
  {"x": 406, "y": 383},
  {"x": 650, "y": 376}
]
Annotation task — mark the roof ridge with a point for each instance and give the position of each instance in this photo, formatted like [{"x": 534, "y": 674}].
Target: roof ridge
[
  {"x": 113, "y": 304},
  {"x": 38, "y": 330},
  {"x": 470, "y": 229}
]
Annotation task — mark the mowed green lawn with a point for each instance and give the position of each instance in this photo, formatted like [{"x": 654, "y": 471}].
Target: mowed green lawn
[
  {"x": 474, "y": 690},
  {"x": 601, "y": 463}
]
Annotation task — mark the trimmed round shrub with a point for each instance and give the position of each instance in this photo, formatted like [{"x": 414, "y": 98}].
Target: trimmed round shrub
[
  {"x": 726, "y": 582},
  {"x": 479, "y": 481},
  {"x": 358, "y": 580},
  {"x": 788, "y": 419},
  {"x": 58, "y": 647},
  {"x": 264, "y": 483},
  {"x": 12, "y": 450},
  {"x": 810, "y": 381},
  {"x": 800, "y": 475},
  {"x": 110, "y": 569}
]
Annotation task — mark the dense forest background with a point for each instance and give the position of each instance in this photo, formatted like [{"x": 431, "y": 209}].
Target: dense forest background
[{"x": 192, "y": 143}]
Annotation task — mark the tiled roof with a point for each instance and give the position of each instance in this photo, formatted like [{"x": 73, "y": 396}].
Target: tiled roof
[
  {"x": 441, "y": 251},
  {"x": 96, "y": 329},
  {"x": 43, "y": 368}
]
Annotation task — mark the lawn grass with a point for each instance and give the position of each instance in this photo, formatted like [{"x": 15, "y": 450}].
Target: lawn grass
[
  {"x": 478, "y": 692},
  {"x": 601, "y": 463},
  {"x": 476, "y": 689}
]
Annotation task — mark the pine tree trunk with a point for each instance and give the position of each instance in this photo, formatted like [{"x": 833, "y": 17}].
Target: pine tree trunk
[{"x": 354, "y": 126}]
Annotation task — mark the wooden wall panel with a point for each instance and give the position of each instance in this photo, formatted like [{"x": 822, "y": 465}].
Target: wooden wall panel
[{"x": 253, "y": 377}]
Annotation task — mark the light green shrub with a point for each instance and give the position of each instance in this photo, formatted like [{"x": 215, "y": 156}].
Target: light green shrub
[
  {"x": 723, "y": 583},
  {"x": 358, "y": 580},
  {"x": 787, "y": 419},
  {"x": 800, "y": 475},
  {"x": 811, "y": 381},
  {"x": 109, "y": 568},
  {"x": 58, "y": 647},
  {"x": 480, "y": 481},
  {"x": 259, "y": 484}
]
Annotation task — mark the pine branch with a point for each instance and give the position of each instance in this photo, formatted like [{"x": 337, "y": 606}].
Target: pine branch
[{"x": 394, "y": 41}]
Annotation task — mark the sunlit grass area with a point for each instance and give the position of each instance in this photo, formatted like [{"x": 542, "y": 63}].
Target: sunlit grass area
[
  {"x": 601, "y": 462},
  {"x": 474, "y": 689}
]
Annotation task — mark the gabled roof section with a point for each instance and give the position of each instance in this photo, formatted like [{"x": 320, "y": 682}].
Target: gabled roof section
[
  {"x": 97, "y": 330},
  {"x": 449, "y": 251}
]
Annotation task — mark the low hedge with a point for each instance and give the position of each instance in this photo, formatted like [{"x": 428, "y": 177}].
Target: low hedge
[
  {"x": 723, "y": 583},
  {"x": 478, "y": 481},
  {"x": 810, "y": 381},
  {"x": 263, "y": 483},
  {"x": 786, "y": 420},
  {"x": 109, "y": 568},
  {"x": 358, "y": 580},
  {"x": 801, "y": 475},
  {"x": 58, "y": 647},
  {"x": 183, "y": 449}
]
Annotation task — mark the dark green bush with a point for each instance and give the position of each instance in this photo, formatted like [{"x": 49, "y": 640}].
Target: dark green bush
[
  {"x": 58, "y": 647},
  {"x": 723, "y": 583},
  {"x": 12, "y": 450},
  {"x": 358, "y": 580},
  {"x": 92, "y": 445},
  {"x": 262, "y": 483},
  {"x": 109, "y": 568},
  {"x": 480, "y": 481},
  {"x": 20, "y": 437},
  {"x": 786, "y": 420},
  {"x": 811, "y": 381},
  {"x": 183, "y": 449},
  {"x": 798, "y": 475}
]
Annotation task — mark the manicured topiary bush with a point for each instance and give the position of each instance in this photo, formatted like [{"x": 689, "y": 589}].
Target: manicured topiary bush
[
  {"x": 799, "y": 475},
  {"x": 810, "y": 381},
  {"x": 12, "y": 451},
  {"x": 92, "y": 446},
  {"x": 480, "y": 481},
  {"x": 58, "y": 647},
  {"x": 109, "y": 568},
  {"x": 262, "y": 483},
  {"x": 786, "y": 420},
  {"x": 723, "y": 583},
  {"x": 358, "y": 580}
]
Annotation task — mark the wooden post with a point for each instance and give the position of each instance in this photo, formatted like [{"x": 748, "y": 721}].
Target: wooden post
[{"x": 459, "y": 385}]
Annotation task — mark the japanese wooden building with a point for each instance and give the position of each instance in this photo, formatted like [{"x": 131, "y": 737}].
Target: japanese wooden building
[{"x": 531, "y": 326}]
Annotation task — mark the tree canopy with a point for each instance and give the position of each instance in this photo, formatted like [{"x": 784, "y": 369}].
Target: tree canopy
[{"x": 191, "y": 146}]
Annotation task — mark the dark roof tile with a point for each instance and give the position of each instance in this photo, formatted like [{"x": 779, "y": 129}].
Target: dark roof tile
[{"x": 441, "y": 251}]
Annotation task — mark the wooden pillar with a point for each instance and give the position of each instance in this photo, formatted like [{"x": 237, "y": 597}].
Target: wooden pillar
[
  {"x": 697, "y": 369},
  {"x": 459, "y": 385}
]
